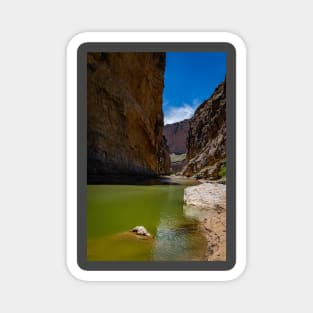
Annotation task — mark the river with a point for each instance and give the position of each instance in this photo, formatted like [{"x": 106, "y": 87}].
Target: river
[{"x": 112, "y": 210}]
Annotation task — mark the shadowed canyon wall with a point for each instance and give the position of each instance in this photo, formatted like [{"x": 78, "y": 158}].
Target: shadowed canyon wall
[
  {"x": 206, "y": 141},
  {"x": 125, "y": 117}
]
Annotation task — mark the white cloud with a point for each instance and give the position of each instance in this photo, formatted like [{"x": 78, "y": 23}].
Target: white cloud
[{"x": 177, "y": 114}]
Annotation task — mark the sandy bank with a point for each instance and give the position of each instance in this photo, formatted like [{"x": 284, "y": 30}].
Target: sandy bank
[{"x": 207, "y": 203}]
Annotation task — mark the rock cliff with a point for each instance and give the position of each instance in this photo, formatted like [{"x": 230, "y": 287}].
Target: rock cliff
[
  {"x": 125, "y": 118},
  {"x": 206, "y": 141},
  {"x": 176, "y": 136}
]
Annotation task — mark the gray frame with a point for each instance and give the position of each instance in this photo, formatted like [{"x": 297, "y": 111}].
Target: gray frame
[{"x": 82, "y": 158}]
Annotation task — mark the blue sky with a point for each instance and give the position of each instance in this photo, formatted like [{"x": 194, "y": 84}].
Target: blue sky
[{"x": 190, "y": 78}]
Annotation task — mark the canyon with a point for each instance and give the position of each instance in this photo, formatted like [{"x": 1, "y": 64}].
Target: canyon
[
  {"x": 126, "y": 137},
  {"x": 206, "y": 161},
  {"x": 198, "y": 145},
  {"x": 125, "y": 117},
  {"x": 176, "y": 136},
  {"x": 206, "y": 140},
  {"x": 126, "y": 132}
]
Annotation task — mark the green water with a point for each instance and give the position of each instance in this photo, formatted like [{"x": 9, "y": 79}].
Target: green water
[{"x": 112, "y": 210}]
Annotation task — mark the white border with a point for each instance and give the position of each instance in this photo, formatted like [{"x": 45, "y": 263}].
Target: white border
[{"x": 73, "y": 267}]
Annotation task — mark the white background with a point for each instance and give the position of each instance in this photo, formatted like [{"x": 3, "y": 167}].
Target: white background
[{"x": 33, "y": 275}]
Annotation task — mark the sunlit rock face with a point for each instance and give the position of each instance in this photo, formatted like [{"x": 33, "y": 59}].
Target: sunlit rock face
[
  {"x": 176, "y": 136},
  {"x": 125, "y": 118},
  {"x": 206, "y": 141}
]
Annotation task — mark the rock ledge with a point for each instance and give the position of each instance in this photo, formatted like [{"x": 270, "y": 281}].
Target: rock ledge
[{"x": 207, "y": 203}]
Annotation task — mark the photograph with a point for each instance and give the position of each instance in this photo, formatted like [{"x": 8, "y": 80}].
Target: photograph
[{"x": 156, "y": 156}]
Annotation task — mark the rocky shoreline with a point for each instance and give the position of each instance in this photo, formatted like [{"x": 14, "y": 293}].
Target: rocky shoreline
[{"x": 207, "y": 203}]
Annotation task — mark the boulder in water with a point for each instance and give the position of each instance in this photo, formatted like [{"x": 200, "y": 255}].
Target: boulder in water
[{"x": 141, "y": 230}]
